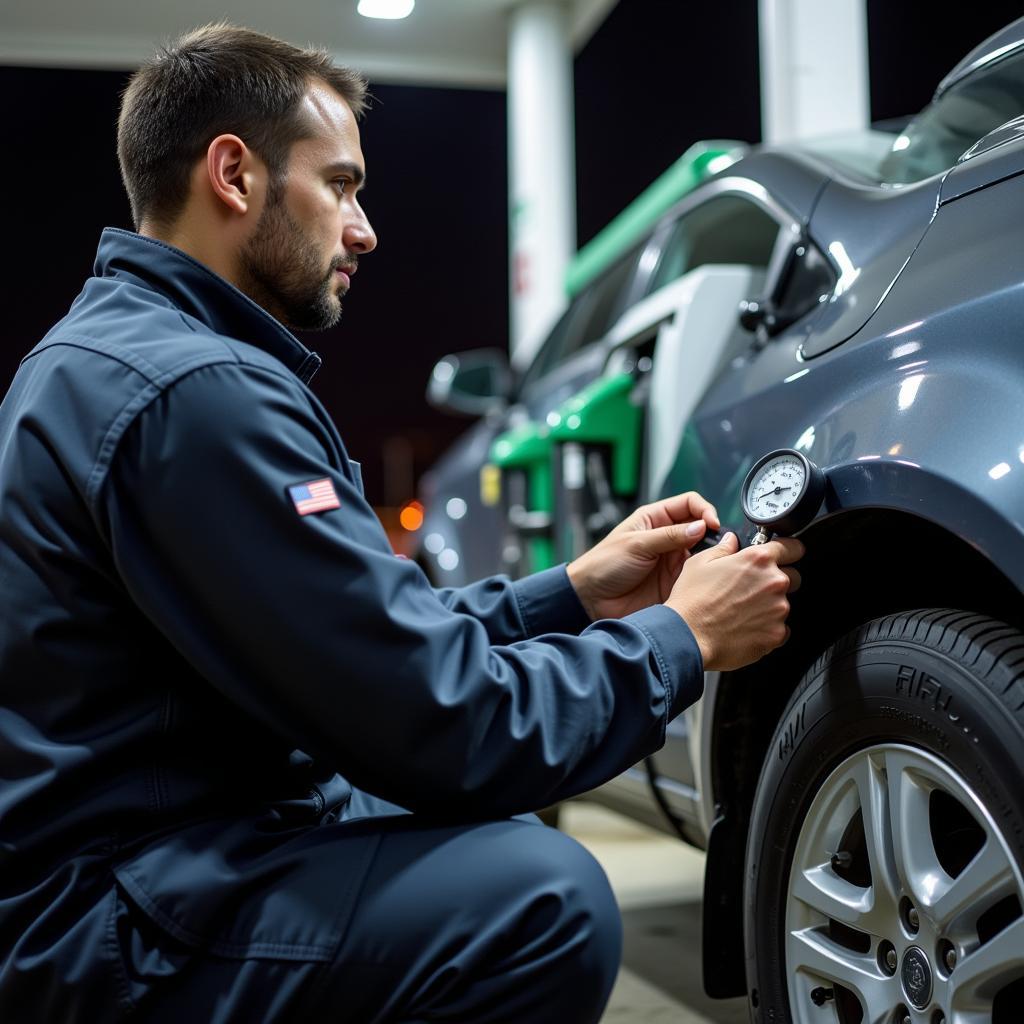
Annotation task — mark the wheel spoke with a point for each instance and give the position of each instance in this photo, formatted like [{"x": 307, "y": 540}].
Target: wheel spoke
[
  {"x": 831, "y": 896},
  {"x": 986, "y": 880},
  {"x": 816, "y": 954},
  {"x": 915, "y": 862},
  {"x": 983, "y": 972},
  {"x": 872, "y": 788}
]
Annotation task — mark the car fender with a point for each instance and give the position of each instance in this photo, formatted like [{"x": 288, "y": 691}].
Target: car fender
[{"x": 932, "y": 438}]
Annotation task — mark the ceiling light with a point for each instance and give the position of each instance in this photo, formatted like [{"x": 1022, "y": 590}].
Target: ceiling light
[{"x": 390, "y": 9}]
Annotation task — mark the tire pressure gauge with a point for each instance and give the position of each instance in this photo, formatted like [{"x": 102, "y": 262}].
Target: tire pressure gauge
[{"x": 782, "y": 493}]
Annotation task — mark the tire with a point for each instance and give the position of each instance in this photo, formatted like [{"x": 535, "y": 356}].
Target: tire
[{"x": 913, "y": 910}]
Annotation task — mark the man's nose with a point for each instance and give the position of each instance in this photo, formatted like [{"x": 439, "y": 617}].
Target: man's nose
[{"x": 358, "y": 236}]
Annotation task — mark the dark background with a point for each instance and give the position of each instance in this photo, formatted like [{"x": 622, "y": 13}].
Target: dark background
[{"x": 657, "y": 76}]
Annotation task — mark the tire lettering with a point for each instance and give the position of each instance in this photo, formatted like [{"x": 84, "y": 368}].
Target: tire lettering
[
  {"x": 924, "y": 687},
  {"x": 795, "y": 727},
  {"x": 916, "y": 722}
]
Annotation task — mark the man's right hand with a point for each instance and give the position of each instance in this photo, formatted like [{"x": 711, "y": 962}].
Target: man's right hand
[{"x": 735, "y": 601}]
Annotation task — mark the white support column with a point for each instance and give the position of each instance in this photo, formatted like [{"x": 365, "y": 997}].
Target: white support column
[
  {"x": 542, "y": 174},
  {"x": 814, "y": 68}
]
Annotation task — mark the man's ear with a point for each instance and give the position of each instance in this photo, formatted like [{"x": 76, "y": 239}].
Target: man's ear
[{"x": 234, "y": 172}]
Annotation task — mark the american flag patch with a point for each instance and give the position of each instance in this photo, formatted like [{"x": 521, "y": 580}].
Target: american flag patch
[{"x": 315, "y": 496}]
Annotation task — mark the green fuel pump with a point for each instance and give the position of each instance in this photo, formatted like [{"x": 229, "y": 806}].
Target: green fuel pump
[
  {"x": 586, "y": 458},
  {"x": 523, "y": 457},
  {"x": 596, "y": 435}
]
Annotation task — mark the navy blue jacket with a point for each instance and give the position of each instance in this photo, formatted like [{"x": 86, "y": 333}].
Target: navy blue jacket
[{"x": 192, "y": 674}]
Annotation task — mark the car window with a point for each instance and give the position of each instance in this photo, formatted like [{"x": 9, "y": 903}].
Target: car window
[
  {"x": 587, "y": 319},
  {"x": 943, "y": 131},
  {"x": 728, "y": 229}
]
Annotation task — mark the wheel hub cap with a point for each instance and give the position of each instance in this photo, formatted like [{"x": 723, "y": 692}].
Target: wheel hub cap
[{"x": 917, "y": 977}]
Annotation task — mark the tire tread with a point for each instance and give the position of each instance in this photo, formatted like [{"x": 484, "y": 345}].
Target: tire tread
[{"x": 991, "y": 648}]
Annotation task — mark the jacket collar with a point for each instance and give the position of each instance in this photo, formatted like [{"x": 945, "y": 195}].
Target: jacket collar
[{"x": 201, "y": 293}]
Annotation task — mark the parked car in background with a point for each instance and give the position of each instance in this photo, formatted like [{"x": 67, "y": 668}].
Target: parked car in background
[
  {"x": 463, "y": 536},
  {"x": 860, "y": 792}
]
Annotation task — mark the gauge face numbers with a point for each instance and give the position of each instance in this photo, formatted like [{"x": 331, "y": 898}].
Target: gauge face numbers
[{"x": 775, "y": 488}]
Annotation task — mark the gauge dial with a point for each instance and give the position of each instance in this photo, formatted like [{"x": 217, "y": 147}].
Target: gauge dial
[
  {"x": 783, "y": 491},
  {"x": 775, "y": 487}
]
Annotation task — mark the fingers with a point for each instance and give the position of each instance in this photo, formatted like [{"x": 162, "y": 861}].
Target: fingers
[
  {"x": 737, "y": 606},
  {"x": 710, "y": 516},
  {"x": 681, "y": 508},
  {"x": 774, "y": 556},
  {"x": 794, "y": 580},
  {"x": 785, "y": 550},
  {"x": 728, "y": 545},
  {"x": 696, "y": 529},
  {"x": 666, "y": 540}
]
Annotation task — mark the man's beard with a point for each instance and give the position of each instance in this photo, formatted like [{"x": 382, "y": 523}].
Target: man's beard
[{"x": 282, "y": 272}]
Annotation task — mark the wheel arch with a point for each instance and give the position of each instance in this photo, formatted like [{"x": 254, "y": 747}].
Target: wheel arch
[{"x": 922, "y": 564}]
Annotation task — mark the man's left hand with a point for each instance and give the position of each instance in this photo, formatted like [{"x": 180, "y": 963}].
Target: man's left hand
[{"x": 638, "y": 562}]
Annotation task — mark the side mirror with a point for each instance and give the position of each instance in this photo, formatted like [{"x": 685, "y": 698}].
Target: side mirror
[
  {"x": 767, "y": 316},
  {"x": 471, "y": 383}
]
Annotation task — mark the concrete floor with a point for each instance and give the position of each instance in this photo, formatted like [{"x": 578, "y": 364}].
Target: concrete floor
[{"x": 658, "y": 882}]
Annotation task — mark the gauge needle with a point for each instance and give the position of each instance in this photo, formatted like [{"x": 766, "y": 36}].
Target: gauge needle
[{"x": 772, "y": 490}]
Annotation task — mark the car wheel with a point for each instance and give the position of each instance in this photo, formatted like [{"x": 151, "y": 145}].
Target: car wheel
[{"x": 884, "y": 864}]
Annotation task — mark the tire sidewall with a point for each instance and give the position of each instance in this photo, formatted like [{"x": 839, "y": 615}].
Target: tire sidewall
[{"x": 878, "y": 692}]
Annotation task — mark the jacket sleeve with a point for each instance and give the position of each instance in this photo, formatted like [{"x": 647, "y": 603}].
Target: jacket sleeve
[
  {"x": 545, "y": 602},
  {"x": 309, "y": 623}
]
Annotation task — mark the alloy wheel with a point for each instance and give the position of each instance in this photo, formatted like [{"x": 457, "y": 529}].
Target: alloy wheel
[{"x": 905, "y": 903}]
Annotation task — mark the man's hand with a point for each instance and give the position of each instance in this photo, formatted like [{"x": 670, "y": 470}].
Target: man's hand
[
  {"x": 638, "y": 563},
  {"x": 735, "y": 601}
]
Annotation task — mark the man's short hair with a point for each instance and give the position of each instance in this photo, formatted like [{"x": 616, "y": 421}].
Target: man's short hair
[{"x": 214, "y": 80}]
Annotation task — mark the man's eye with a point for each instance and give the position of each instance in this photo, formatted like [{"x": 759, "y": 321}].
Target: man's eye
[{"x": 341, "y": 185}]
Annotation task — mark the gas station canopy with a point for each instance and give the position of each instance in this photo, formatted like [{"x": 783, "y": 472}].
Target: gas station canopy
[{"x": 442, "y": 42}]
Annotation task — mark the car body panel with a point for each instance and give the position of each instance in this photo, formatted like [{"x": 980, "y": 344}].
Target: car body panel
[
  {"x": 792, "y": 181},
  {"x": 1000, "y": 154},
  {"x": 869, "y": 234}
]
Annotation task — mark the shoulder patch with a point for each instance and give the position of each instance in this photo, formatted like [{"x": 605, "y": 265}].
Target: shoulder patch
[{"x": 314, "y": 496}]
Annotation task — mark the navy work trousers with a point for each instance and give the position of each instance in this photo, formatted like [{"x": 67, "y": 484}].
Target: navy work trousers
[{"x": 504, "y": 921}]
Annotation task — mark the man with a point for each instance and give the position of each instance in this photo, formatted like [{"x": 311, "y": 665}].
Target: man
[{"x": 207, "y": 643}]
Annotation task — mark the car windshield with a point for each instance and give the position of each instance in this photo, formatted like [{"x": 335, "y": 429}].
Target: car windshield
[
  {"x": 947, "y": 128},
  {"x": 935, "y": 139},
  {"x": 862, "y": 152}
]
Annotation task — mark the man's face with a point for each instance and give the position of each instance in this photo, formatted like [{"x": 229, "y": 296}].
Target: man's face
[{"x": 311, "y": 231}]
